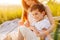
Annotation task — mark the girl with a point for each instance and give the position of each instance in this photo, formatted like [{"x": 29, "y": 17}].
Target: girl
[
  {"x": 26, "y": 5},
  {"x": 38, "y": 12}
]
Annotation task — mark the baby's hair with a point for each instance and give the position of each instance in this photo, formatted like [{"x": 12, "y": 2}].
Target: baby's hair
[{"x": 40, "y": 7}]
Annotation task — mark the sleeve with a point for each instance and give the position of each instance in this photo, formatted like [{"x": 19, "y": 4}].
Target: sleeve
[
  {"x": 47, "y": 24},
  {"x": 43, "y": 24}
]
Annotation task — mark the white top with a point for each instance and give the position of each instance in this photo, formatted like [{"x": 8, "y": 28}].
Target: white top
[{"x": 41, "y": 24}]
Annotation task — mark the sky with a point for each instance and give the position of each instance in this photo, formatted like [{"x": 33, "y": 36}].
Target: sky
[
  {"x": 14, "y": 2},
  {"x": 58, "y": 1},
  {"x": 10, "y": 2}
]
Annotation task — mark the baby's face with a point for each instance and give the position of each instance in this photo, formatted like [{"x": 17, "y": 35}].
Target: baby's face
[{"x": 37, "y": 15}]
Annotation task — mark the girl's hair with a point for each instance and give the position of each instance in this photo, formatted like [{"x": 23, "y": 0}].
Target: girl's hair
[{"x": 25, "y": 6}]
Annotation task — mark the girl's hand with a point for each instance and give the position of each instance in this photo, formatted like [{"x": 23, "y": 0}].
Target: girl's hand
[
  {"x": 27, "y": 24},
  {"x": 21, "y": 23}
]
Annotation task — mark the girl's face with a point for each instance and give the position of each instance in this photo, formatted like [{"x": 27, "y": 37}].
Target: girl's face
[
  {"x": 37, "y": 15},
  {"x": 29, "y": 2}
]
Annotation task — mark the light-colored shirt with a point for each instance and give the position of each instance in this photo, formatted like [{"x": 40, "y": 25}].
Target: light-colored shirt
[{"x": 44, "y": 23}]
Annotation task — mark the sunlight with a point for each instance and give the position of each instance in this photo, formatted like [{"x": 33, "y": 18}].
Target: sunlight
[
  {"x": 58, "y": 1},
  {"x": 10, "y": 2}
]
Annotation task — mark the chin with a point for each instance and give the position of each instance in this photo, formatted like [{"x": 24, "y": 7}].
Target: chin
[{"x": 37, "y": 20}]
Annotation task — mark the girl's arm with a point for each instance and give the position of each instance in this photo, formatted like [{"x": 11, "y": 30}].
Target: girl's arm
[
  {"x": 50, "y": 17},
  {"x": 52, "y": 27}
]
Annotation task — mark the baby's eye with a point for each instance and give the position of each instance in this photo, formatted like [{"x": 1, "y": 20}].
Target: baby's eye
[{"x": 36, "y": 13}]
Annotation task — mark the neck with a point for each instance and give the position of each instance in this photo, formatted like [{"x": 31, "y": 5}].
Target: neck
[{"x": 40, "y": 20}]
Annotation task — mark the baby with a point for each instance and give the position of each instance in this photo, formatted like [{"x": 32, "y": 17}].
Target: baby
[{"x": 41, "y": 24}]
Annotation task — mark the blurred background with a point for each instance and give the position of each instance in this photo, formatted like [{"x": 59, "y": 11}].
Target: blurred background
[{"x": 12, "y": 9}]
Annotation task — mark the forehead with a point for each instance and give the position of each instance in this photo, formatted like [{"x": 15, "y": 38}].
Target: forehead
[{"x": 36, "y": 10}]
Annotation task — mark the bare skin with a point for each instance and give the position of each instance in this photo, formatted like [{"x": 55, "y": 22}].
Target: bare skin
[
  {"x": 49, "y": 16},
  {"x": 20, "y": 36}
]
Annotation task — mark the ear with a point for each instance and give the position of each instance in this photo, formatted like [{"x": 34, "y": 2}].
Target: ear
[{"x": 43, "y": 13}]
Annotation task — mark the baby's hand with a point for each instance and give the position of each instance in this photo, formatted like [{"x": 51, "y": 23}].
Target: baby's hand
[
  {"x": 44, "y": 32},
  {"x": 41, "y": 33},
  {"x": 37, "y": 33}
]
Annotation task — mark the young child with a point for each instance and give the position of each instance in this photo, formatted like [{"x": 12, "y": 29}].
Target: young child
[{"x": 41, "y": 24}]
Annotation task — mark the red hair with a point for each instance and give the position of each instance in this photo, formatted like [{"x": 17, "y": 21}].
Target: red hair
[{"x": 25, "y": 6}]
